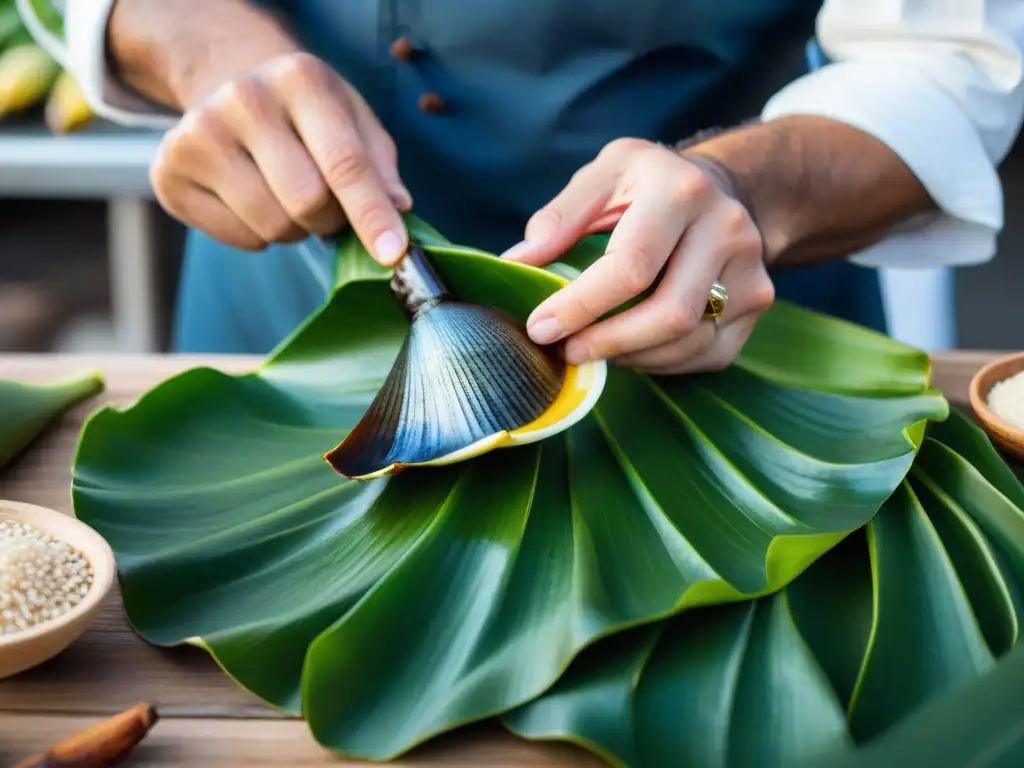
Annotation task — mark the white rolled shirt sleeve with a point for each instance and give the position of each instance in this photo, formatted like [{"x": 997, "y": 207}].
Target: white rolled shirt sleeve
[
  {"x": 83, "y": 52},
  {"x": 940, "y": 83}
]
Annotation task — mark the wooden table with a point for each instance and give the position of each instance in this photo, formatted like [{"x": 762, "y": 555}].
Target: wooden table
[{"x": 208, "y": 722}]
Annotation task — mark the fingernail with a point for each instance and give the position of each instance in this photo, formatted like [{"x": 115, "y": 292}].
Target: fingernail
[
  {"x": 515, "y": 251},
  {"x": 388, "y": 248},
  {"x": 546, "y": 330},
  {"x": 576, "y": 352}
]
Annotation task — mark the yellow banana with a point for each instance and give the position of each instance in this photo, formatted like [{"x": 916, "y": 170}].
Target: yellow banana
[
  {"x": 66, "y": 108},
  {"x": 26, "y": 74}
]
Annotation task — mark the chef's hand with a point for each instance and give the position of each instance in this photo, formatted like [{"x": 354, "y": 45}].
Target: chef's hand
[
  {"x": 280, "y": 151},
  {"x": 674, "y": 224}
]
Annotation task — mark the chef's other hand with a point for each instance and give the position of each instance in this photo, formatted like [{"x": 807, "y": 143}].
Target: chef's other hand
[
  {"x": 279, "y": 152},
  {"x": 674, "y": 227}
]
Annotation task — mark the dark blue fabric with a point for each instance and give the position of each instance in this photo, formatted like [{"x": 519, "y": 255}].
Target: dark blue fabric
[
  {"x": 839, "y": 288},
  {"x": 235, "y": 302},
  {"x": 533, "y": 90}
]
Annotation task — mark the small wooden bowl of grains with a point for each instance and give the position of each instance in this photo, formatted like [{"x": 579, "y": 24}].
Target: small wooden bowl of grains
[
  {"x": 997, "y": 398},
  {"x": 55, "y": 572}
]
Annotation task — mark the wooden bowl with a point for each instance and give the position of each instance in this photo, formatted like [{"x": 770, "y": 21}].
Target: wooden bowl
[
  {"x": 42, "y": 642},
  {"x": 1006, "y": 436}
]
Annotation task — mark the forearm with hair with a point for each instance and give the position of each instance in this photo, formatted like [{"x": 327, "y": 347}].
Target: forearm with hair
[
  {"x": 818, "y": 189},
  {"x": 177, "y": 52}
]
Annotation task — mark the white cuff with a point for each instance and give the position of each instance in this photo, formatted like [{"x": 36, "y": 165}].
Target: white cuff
[
  {"x": 925, "y": 127},
  {"x": 85, "y": 25}
]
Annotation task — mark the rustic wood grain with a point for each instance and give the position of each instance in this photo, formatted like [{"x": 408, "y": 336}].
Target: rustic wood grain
[
  {"x": 209, "y": 721},
  {"x": 952, "y": 372},
  {"x": 213, "y": 743}
]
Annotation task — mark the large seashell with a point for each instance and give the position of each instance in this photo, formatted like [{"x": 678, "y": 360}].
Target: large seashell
[{"x": 466, "y": 381}]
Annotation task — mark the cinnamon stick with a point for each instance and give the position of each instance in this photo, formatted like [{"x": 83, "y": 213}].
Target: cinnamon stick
[{"x": 104, "y": 744}]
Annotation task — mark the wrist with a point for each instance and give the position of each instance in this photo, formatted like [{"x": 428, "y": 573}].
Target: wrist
[
  {"x": 178, "y": 52},
  {"x": 817, "y": 189},
  {"x": 723, "y": 157}
]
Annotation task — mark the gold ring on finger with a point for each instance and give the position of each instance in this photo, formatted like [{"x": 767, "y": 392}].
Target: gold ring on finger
[{"x": 717, "y": 298}]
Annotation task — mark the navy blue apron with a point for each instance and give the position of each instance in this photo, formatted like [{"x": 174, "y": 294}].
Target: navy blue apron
[{"x": 523, "y": 92}]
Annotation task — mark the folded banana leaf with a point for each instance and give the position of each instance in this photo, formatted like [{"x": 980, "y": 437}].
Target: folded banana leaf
[
  {"x": 979, "y": 724},
  {"x": 391, "y": 610},
  {"x": 27, "y": 409},
  {"x": 920, "y": 604},
  {"x": 44, "y": 15}
]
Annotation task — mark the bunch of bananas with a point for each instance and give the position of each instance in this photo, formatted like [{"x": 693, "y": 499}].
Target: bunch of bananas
[{"x": 29, "y": 75}]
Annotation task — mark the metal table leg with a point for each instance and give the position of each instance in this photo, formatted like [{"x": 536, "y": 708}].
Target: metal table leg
[{"x": 133, "y": 262}]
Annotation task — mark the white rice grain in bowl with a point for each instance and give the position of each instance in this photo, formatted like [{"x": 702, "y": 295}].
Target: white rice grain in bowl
[
  {"x": 43, "y": 551},
  {"x": 997, "y": 399},
  {"x": 1006, "y": 399}
]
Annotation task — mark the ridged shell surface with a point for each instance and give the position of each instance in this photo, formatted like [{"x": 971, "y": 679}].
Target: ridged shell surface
[{"x": 465, "y": 372}]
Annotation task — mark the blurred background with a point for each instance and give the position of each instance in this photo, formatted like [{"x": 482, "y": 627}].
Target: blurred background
[{"x": 89, "y": 262}]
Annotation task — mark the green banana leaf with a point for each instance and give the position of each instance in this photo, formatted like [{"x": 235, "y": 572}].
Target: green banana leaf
[
  {"x": 919, "y": 604},
  {"x": 46, "y": 13},
  {"x": 980, "y": 724},
  {"x": 27, "y": 409},
  {"x": 386, "y": 612},
  {"x": 10, "y": 22}
]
